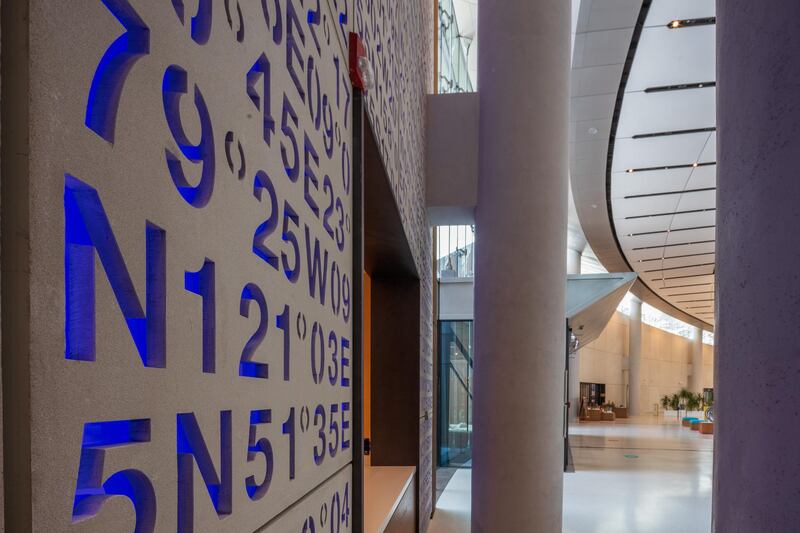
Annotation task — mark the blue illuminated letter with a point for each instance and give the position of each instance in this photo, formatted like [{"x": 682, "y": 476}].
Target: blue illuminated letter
[
  {"x": 88, "y": 229},
  {"x": 192, "y": 448}
]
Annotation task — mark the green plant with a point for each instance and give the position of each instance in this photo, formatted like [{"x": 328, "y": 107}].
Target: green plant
[
  {"x": 693, "y": 402},
  {"x": 674, "y": 402},
  {"x": 665, "y": 402}
]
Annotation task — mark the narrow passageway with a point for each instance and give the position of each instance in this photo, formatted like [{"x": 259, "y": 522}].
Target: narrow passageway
[{"x": 644, "y": 474}]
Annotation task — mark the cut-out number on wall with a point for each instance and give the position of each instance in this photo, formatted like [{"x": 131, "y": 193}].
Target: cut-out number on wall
[
  {"x": 202, "y": 283},
  {"x": 201, "y": 22},
  {"x": 248, "y": 367},
  {"x": 260, "y": 71},
  {"x": 263, "y": 447},
  {"x": 91, "y": 492},
  {"x": 174, "y": 86},
  {"x": 113, "y": 69}
]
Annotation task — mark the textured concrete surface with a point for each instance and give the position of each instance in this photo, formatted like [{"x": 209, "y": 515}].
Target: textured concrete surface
[{"x": 757, "y": 392}]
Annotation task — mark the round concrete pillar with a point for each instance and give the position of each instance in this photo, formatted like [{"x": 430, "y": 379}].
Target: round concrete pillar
[
  {"x": 521, "y": 223},
  {"x": 635, "y": 358},
  {"x": 696, "y": 378},
  {"x": 757, "y": 378}
]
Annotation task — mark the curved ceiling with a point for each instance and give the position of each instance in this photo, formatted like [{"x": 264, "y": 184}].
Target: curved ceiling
[
  {"x": 643, "y": 162},
  {"x": 663, "y": 167}
]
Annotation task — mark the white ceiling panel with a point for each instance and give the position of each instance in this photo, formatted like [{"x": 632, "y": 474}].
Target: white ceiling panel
[
  {"x": 664, "y": 11},
  {"x": 657, "y": 151},
  {"x": 632, "y": 183},
  {"x": 671, "y": 57},
  {"x": 644, "y": 206},
  {"x": 658, "y": 112}
]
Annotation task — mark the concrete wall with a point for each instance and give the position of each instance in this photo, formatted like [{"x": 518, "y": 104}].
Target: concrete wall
[
  {"x": 213, "y": 135},
  {"x": 666, "y": 362}
]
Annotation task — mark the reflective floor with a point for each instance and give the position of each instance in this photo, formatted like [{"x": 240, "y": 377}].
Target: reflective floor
[{"x": 637, "y": 475}]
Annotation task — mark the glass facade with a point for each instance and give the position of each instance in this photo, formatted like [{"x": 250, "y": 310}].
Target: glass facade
[
  {"x": 455, "y": 393},
  {"x": 456, "y": 252},
  {"x": 453, "y": 72}
]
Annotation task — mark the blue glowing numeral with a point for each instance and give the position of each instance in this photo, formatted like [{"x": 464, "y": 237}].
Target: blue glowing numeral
[
  {"x": 333, "y": 370},
  {"x": 309, "y": 177},
  {"x": 343, "y": 19},
  {"x": 277, "y": 29},
  {"x": 336, "y": 503},
  {"x": 333, "y": 446},
  {"x": 247, "y": 367},
  {"x": 313, "y": 73},
  {"x": 290, "y": 429},
  {"x": 346, "y": 510},
  {"x": 191, "y": 448},
  {"x": 292, "y": 49},
  {"x": 91, "y": 492},
  {"x": 327, "y": 115},
  {"x": 260, "y": 72},
  {"x": 283, "y": 323},
  {"x": 293, "y": 170},
  {"x": 346, "y": 297},
  {"x": 113, "y": 69},
  {"x": 317, "y": 347},
  {"x": 87, "y": 230},
  {"x": 203, "y": 284},
  {"x": 263, "y": 446},
  {"x": 327, "y": 187},
  {"x": 268, "y": 227},
  {"x": 319, "y": 451},
  {"x": 340, "y": 227},
  {"x": 317, "y": 268},
  {"x": 314, "y": 20},
  {"x": 336, "y": 289},
  {"x": 201, "y": 22},
  {"x": 175, "y": 85},
  {"x": 346, "y": 168},
  {"x": 289, "y": 215}
]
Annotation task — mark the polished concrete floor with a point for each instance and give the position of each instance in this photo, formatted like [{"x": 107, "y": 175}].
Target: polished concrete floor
[{"x": 642, "y": 474}]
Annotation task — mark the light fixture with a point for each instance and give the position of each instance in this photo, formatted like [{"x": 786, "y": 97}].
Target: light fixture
[
  {"x": 675, "y": 24},
  {"x": 695, "y": 165},
  {"x": 593, "y": 131},
  {"x": 630, "y": 171}
]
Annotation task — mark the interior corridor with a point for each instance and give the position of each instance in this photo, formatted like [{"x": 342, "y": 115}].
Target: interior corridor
[{"x": 642, "y": 474}]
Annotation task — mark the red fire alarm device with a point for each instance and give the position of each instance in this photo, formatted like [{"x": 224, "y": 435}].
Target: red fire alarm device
[{"x": 361, "y": 75}]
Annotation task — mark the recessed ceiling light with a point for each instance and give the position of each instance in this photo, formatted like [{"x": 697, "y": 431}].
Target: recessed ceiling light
[
  {"x": 675, "y": 24},
  {"x": 630, "y": 171},
  {"x": 593, "y": 131},
  {"x": 695, "y": 165}
]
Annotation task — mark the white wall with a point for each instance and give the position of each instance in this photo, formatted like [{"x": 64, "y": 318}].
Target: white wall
[{"x": 666, "y": 362}]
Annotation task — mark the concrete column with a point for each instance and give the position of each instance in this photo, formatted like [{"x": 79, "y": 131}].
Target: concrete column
[
  {"x": 521, "y": 222},
  {"x": 635, "y": 358},
  {"x": 696, "y": 377},
  {"x": 574, "y": 267},
  {"x": 757, "y": 389}
]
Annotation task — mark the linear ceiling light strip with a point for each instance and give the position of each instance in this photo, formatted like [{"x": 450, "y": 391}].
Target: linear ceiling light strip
[
  {"x": 688, "y": 212},
  {"x": 670, "y": 193},
  {"x": 674, "y": 257},
  {"x": 670, "y": 230},
  {"x": 672, "y": 245},
  {"x": 696, "y": 301},
  {"x": 673, "y": 132},
  {"x": 672, "y": 167},
  {"x": 690, "y": 23},
  {"x": 690, "y": 285},
  {"x": 689, "y": 294},
  {"x": 681, "y": 87},
  {"x": 677, "y": 268}
]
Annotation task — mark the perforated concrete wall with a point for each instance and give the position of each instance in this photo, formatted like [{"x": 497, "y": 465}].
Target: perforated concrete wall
[{"x": 186, "y": 172}]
